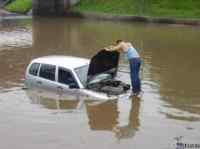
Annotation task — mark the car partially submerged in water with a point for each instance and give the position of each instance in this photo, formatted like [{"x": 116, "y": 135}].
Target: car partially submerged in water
[{"x": 95, "y": 78}]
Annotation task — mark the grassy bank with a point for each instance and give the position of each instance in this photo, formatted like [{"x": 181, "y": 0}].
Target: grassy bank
[
  {"x": 19, "y": 6},
  {"x": 155, "y": 8}
]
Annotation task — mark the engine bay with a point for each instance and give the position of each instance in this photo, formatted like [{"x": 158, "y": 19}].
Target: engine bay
[{"x": 110, "y": 87}]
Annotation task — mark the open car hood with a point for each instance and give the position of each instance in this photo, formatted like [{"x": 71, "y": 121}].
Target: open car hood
[{"x": 103, "y": 62}]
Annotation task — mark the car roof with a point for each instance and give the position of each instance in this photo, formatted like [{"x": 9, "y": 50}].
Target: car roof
[{"x": 69, "y": 62}]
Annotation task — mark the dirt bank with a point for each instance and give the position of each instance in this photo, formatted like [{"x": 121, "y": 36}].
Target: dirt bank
[
  {"x": 5, "y": 13},
  {"x": 10, "y": 15},
  {"x": 147, "y": 19}
]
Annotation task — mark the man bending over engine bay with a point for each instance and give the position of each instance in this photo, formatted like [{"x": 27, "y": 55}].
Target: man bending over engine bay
[{"x": 134, "y": 63}]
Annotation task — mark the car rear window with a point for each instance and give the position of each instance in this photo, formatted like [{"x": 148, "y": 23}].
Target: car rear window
[
  {"x": 34, "y": 69},
  {"x": 48, "y": 72}
]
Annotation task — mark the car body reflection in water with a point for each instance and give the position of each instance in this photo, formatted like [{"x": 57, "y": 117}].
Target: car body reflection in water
[
  {"x": 119, "y": 116},
  {"x": 52, "y": 100}
]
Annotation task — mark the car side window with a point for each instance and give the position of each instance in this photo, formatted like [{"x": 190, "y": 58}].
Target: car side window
[
  {"x": 66, "y": 77},
  {"x": 34, "y": 69},
  {"x": 47, "y": 71}
]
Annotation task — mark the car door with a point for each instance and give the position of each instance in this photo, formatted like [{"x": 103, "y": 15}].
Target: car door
[
  {"x": 67, "y": 82},
  {"x": 47, "y": 77}
]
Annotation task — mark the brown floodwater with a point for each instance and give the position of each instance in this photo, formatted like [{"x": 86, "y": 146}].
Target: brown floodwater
[{"x": 169, "y": 107}]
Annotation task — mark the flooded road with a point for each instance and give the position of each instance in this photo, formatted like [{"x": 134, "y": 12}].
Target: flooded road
[{"x": 169, "y": 107}]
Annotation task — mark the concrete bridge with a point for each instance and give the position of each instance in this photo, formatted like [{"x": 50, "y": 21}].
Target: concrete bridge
[{"x": 52, "y": 7}]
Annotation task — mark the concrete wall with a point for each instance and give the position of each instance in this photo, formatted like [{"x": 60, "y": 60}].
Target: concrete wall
[
  {"x": 3, "y": 2},
  {"x": 52, "y": 7}
]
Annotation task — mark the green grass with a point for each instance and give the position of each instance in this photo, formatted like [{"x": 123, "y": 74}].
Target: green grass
[
  {"x": 19, "y": 6},
  {"x": 159, "y": 8}
]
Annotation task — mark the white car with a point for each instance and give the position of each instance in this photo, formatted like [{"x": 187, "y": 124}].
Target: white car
[{"x": 77, "y": 76}]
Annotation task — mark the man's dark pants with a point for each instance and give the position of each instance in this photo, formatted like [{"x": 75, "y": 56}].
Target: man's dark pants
[{"x": 135, "y": 78}]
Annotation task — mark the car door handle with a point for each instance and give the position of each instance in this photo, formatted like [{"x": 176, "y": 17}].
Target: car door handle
[{"x": 39, "y": 82}]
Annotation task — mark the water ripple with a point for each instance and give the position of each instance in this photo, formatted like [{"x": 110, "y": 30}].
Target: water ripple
[{"x": 17, "y": 38}]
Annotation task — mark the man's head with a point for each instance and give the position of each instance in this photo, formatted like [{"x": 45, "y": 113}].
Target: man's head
[{"x": 119, "y": 41}]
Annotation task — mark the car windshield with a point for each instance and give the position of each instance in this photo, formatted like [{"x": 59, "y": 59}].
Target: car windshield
[{"x": 82, "y": 74}]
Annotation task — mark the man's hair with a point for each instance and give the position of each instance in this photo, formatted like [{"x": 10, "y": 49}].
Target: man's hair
[{"x": 118, "y": 41}]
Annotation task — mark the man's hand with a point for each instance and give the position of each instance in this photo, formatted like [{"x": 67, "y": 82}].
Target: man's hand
[{"x": 107, "y": 49}]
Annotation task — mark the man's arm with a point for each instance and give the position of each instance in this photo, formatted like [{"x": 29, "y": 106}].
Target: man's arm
[{"x": 113, "y": 48}]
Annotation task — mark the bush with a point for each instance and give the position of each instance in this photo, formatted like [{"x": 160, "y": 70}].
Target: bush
[{"x": 19, "y": 6}]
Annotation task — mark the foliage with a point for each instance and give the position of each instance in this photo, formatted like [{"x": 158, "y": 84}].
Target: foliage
[{"x": 19, "y": 6}]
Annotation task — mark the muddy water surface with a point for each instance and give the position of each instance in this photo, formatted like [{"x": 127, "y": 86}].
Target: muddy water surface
[{"x": 169, "y": 107}]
